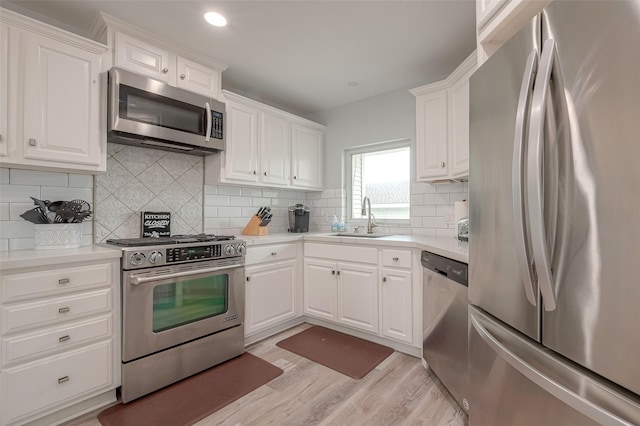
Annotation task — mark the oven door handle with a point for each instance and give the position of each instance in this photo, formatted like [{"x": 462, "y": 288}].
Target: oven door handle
[{"x": 142, "y": 280}]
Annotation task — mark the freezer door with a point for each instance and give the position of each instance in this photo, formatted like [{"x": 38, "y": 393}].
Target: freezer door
[
  {"x": 500, "y": 278},
  {"x": 593, "y": 231},
  {"x": 517, "y": 382}
]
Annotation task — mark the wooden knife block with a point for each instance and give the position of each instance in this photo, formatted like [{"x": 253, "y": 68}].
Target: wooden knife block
[{"x": 254, "y": 228}]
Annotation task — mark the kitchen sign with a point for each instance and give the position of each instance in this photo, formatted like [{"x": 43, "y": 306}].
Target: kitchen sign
[{"x": 155, "y": 224}]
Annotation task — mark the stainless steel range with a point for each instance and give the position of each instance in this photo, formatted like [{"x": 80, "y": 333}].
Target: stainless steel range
[{"x": 182, "y": 308}]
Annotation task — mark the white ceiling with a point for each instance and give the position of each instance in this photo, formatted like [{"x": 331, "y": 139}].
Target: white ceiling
[{"x": 298, "y": 55}]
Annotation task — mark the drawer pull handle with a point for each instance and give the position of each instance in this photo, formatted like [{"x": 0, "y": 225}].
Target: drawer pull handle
[
  {"x": 62, "y": 380},
  {"x": 64, "y": 281},
  {"x": 64, "y": 310},
  {"x": 333, "y": 272},
  {"x": 248, "y": 279},
  {"x": 337, "y": 272},
  {"x": 395, "y": 259},
  {"x": 64, "y": 338},
  {"x": 274, "y": 253},
  {"x": 384, "y": 279}
]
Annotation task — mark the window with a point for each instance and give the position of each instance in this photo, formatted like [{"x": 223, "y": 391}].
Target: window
[{"x": 382, "y": 173}]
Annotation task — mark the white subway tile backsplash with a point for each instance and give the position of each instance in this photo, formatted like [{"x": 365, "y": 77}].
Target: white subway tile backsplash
[
  {"x": 435, "y": 199},
  {"x": 31, "y": 177},
  {"x": 226, "y": 190},
  {"x": 4, "y": 244},
  {"x": 5, "y": 211},
  {"x": 270, "y": 193},
  {"x": 216, "y": 200},
  {"x": 259, "y": 201},
  {"x": 423, "y": 211},
  {"x": 229, "y": 211},
  {"x": 210, "y": 211},
  {"x": 4, "y": 176},
  {"x": 215, "y": 223},
  {"x": 240, "y": 201},
  {"x": 55, "y": 193},
  {"x": 251, "y": 192},
  {"x": 10, "y": 229},
  {"x": 80, "y": 181},
  {"x": 458, "y": 196},
  {"x": 21, "y": 243},
  {"x": 16, "y": 209},
  {"x": 450, "y": 187},
  {"x": 18, "y": 193}
]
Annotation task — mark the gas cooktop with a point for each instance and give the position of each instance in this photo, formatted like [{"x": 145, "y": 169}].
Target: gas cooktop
[{"x": 174, "y": 239}]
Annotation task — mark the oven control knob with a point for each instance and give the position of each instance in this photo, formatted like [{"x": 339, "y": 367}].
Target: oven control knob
[
  {"x": 241, "y": 249},
  {"x": 155, "y": 257},
  {"x": 137, "y": 259},
  {"x": 229, "y": 250}
]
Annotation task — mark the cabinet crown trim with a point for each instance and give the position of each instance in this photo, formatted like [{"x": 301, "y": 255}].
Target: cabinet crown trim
[
  {"x": 467, "y": 65},
  {"x": 105, "y": 22},
  {"x": 41, "y": 28}
]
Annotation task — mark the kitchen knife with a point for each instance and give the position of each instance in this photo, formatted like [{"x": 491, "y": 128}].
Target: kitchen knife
[
  {"x": 260, "y": 211},
  {"x": 266, "y": 220}
]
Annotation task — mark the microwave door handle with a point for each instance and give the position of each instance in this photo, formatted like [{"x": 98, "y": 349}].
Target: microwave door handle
[
  {"x": 519, "y": 151},
  {"x": 207, "y": 135},
  {"x": 535, "y": 185},
  {"x": 142, "y": 280}
]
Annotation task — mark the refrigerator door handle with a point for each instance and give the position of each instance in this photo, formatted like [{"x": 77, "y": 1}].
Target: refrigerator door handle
[
  {"x": 573, "y": 394},
  {"x": 519, "y": 152},
  {"x": 535, "y": 183}
]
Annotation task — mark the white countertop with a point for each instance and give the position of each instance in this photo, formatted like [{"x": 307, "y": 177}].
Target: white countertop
[
  {"x": 449, "y": 247},
  {"x": 32, "y": 258}
]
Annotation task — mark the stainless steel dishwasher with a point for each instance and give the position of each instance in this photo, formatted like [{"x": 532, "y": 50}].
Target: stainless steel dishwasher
[{"x": 445, "y": 300}]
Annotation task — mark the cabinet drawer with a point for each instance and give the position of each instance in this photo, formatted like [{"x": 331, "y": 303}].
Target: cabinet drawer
[
  {"x": 396, "y": 258},
  {"x": 46, "y": 341},
  {"x": 342, "y": 252},
  {"x": 54, "y": 281},
  {"x": 23, "y": 316},
  {"x": 270, "y": 253},
  {"x": 38, "y": 386}
]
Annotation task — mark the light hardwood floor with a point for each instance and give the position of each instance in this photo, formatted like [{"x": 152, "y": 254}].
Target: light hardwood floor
[{"x": 399, "y": 391}]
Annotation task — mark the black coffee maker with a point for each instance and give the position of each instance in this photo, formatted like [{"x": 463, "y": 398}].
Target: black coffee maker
[{"x": 299, "y": 218}]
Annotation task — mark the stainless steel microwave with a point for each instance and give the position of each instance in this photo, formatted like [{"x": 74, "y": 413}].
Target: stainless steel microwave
[{"x": 146, "y": 112}]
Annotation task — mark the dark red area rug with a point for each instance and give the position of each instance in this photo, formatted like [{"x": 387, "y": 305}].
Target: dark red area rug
[
  {"x": 192, "y": 399},
  {"x": 351, "y": 356}
]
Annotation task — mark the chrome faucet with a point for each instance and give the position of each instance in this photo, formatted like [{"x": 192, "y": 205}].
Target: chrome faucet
[{"x": 370, "y": 224}]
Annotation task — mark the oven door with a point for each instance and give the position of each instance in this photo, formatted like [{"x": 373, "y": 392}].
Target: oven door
[
  {"x": 167, "y": 306},
  {"x": 146, "y": 108}
]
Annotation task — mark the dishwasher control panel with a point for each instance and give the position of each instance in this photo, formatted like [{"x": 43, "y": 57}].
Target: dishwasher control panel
[{"x": 452, "y": 269}]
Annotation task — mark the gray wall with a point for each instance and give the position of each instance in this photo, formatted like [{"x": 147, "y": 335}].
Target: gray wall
[{"x": 382, "y": 118}]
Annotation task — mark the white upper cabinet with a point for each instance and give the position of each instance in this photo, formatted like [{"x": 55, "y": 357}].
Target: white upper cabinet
[
  {"x": 267, "y": 147},
  {"x": 307, "y": 156},
  {"x": 442, "y": 126},
  {"x": 4, "y": 98},
  {"x": 52, "y": 115},
  {"x": 147, "y": 54},
  {"x": 498, "y": 20},
  {"x": 275, "y": 149}
]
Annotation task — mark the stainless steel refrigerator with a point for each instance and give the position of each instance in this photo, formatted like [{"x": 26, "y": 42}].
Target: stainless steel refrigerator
[{"x": 554, "y": 182}]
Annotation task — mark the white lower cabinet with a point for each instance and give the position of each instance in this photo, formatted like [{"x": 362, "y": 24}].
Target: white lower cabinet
[
  {"x": 397, "y": 304},
  {"x": 59, "y": 340},
  {"x": 273, "y": 291},
  {"x": 342, "y": 292},
  {"x": 270, "y": 295}
]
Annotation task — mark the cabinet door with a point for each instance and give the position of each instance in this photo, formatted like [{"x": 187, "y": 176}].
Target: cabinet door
[
  {"x": 320, "y": 289},
  {"x": 306, "y": 146},
  {"x": 431, "y": 136},
  {"x": 241, "y": 153},
  {"x": 397, "y": 312},
  {"x": 198, "y": 78},
  {"x": 4, "y": 96},
  {"x": 143, "y": 58},
  {"x": 459, "y": 127},
  {"x": 275, "y": 152},
  {"x": 270, "y": 295},
  {"x": 61, "y": 102},
  {"x": 358, "y": 296}
]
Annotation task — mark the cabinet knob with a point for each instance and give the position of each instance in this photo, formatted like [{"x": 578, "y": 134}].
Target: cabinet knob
[
  {"x": 32, "y": 142},
  {"x": 295, "y": 177},
  {"x": 255, "y": 173},
  {"x": 64, "y": 338},
  {"x": 64, "y": 281},
  {"x": 337, "y": 272},
  {"x": 333, "y": 272},
  {"x": 165, "y": 70},
  {"x": 63, "y": 379},
  {"x": 395, "y": 259},
  {"x": 248, "y": 279},
  {"x": 265, "y": 173},
  {"x": 64, "y": 310},
  {"x": 182, "y": 76},
  {"x": 384, "y": 279},
  {"x": 442, "y": 164},
  {"x": 274, "y": 253}
]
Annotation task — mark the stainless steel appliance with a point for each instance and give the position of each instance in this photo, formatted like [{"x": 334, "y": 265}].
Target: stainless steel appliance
[
  {"x": 445, "y": 300},
  {"x": 299, "y": 218},
  {"x": 182, "y": 308},
  {"x": 555, "y": 221},
  {"x": 147, "y": 112}
]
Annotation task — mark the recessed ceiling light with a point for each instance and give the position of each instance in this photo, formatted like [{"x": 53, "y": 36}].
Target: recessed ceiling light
[
  {"x": 215, "y": 19},
  {"x": 354, "y": 84}
]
